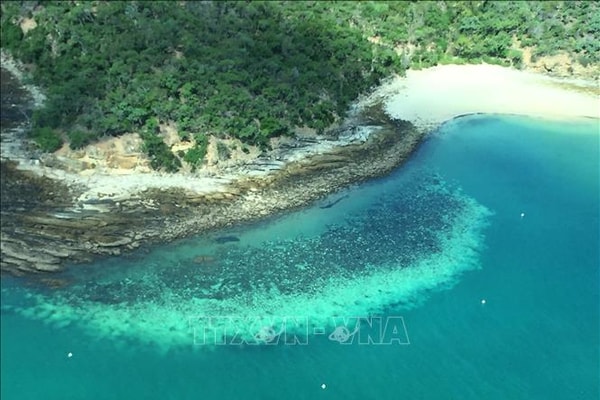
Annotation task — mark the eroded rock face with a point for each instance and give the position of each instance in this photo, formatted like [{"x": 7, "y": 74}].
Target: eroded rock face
[{"x": 123, "y": 161}]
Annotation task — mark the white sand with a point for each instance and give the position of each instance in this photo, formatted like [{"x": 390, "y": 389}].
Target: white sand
[{"x": 429, "y": 97}]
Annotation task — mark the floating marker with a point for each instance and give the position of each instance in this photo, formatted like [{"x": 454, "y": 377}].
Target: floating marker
[
  {"x": 483, "y": 301},
  {"x": 70, "y": 355},
  {"x": 323, "y": 386},
  {"x": 522, "y": 215}
]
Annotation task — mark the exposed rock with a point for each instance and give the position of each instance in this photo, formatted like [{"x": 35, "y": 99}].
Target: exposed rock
[
  {"x": 123, "y": 161},
  {"x": 83, "y": 223},
  {"x": 108, "y": 241}
]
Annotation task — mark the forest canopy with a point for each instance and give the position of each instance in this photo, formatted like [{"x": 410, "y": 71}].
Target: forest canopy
[{"x": 255, "y": 70}]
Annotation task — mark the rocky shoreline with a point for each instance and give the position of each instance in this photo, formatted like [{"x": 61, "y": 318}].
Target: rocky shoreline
[
  {"x": 55, "y": 213},
  {"x": 44, "y": 227}
]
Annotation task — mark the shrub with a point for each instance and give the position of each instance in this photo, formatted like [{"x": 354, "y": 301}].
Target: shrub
[
  {"x": 47, "y": 139},
  {"x": 201, "y": 140},
  {"x": 223, "y": 151},
  {"x": 161, "y": 157},
  {"x": 584, "y": 60},
  {"x": 515, "y": 57},
  {"x": 11, "y": 34},
  {"x": 195, "y": 155},
  {"x": 79, "y": 139},
  {"x": 166, "y": 160}
]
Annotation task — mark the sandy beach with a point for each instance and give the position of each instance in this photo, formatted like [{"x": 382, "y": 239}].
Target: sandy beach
[{"x": 431, "y": 96}]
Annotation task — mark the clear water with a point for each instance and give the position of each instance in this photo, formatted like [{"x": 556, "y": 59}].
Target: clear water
[{"x": 501, "y": 209}]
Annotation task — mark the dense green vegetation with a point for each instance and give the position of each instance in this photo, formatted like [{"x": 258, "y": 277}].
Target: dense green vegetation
[
  {"x": 255, "y": 70},
  {"x": 46, "y": 138}
]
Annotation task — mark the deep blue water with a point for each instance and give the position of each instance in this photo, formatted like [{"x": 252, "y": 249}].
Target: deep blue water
[{"x": 485, "y": 244}]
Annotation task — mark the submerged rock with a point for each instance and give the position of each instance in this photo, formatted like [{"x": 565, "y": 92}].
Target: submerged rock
[
  {"x": 226, "y": 239},
  {"x": 204, "y": 259}
]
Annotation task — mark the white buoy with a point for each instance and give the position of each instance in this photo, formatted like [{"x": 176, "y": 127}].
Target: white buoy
[
  {"x": 70, "y": 355},
  {"x": 323, "y": 386},
  {"x": 522, "y": 215},
  {"x": 483, "y": 301}
]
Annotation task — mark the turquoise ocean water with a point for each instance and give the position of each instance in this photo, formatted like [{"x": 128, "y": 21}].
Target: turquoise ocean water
[{"x": 482, "y": 251}]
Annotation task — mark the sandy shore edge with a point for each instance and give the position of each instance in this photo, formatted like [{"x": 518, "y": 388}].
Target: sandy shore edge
[{"x": 427, "y": 98}]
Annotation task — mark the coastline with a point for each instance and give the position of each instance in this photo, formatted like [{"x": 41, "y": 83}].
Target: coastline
[
  {"x": 427, "y": 98},
  {"x": 108, "y": 212}
]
